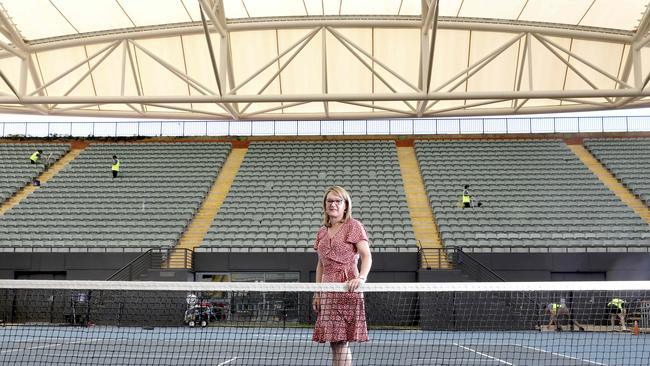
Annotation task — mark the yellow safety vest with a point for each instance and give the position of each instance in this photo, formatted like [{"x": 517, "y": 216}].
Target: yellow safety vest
[
  {"x": 116, "y": 166},
  {"x": 34, "y": 157},
  {"x": 467, "y": 198},
  {"x": 616, "y": 302}
]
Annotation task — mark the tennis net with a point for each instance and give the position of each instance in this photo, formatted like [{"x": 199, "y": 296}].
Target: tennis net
[{"x": 206, "y": 323}]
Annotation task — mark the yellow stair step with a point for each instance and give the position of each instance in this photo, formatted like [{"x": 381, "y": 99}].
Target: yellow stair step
[
  {"x": 196, "y": 230},
  {"x": 610, "y": 181},
  {"x": 422, "y": 220}
]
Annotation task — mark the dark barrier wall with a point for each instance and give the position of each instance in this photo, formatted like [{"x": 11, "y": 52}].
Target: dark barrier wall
[
  {"x": 386, "y": 267},
  {"x": 568, "y": 266},
  {"x": 74, "y": 266}
]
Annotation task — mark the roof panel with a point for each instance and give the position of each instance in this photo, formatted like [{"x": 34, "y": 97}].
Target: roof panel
[
  {"x": 275, "y": 8},
  {"x": 621, "y": 14},
  {"x": 502, "y": 9},
  {"x": 621, "y": 70},
  {"x": 452, "y": 61},
  {"x": 645, "y": 67},
  {"x": 166, "y": 11},
  {"x": 397, "y": 49},
  {"x": 314, "y": 7},
  {"x": 449, "y": 8},
  {"x": 36, "y": 19},
  {"x": 253, "y": 50},
  {"x": 552, "y": 75},
  {"x": 498, "y": 74},
  {"x": 275, "y": 108},
  {"x": 234, "y": 9},
  {"x": 198, "y": 62},
  {"x": 209, "y": 108},
  {"x": 442, "y": 105},
  {"x": 59, "y": 62},
  {"x": 116, "y": 107},
  {"x": 345, "y": 73},
  {"x": 370, "y": 7},
  {"x": 555, "y": 11},
  {"x": 107, "y": 77},
  {"x": 487, "y": 104},
  {"x": 306, "y": 108},
  {"x": 192, "y": 7},
  {"x": 332, "y": 7},
  {"x": 303, "y": 73},
  {"x": 540, "y": 103},
  {"x": 335, "y": 107},
  {"x": 93, "y": 16},
  {"x": 11, "y": 69},
  {"x": 605, "y": 56},
  {"x": 411, "y": 7},
  {"x": 158, "y": 79}
]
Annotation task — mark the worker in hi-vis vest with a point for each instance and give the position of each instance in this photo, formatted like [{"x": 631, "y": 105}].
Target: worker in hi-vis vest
[
  {"x": 115, "y": 168},
  {"x": 466, "y": 197},
  {"x": 36, "y": 157},
  {"x": 616, "y": 308},
  {"x": 557, "y": 311}
]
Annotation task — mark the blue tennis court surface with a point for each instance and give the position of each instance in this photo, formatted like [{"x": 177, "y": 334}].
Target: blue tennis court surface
[{"x": 39, "y": 345}]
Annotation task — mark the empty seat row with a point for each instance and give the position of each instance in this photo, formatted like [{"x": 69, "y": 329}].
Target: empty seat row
[
  {"x": 158, "y": 190},
  {"x": 527, "y": 195},
  {"x": 270, "y": 175}
]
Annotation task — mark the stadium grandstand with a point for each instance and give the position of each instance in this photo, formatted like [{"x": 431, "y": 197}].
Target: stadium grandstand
[{"x": 163, "y": 165}]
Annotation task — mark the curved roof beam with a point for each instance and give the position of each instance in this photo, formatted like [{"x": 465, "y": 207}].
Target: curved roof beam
[
  {"x": 342, "y": 97},
  {"x": 475, "y": 24}
]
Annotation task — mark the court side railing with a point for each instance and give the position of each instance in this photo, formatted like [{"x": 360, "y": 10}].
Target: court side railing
[
  {"x": 72, "y": 249},
  {"x": 456, "y": 258},
  {"x": 473, "y": 268},
  {"x": 539, "y": 249},
  {"x": 298, "y": 248},
  {"x": 152, "y": 259},
  {"x": 435, "y": 258},
  {"x": 136, "y": 268},
  {"x": 178, "y": 258}
]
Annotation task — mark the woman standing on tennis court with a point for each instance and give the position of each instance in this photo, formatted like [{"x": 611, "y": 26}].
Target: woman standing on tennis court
[{"x": 340, "y": 243}]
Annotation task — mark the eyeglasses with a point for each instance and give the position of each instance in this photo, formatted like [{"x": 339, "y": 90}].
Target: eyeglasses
[{"x": 337, "y": 202}]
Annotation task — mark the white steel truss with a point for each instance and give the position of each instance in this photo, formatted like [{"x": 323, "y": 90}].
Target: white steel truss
[{"x": 262, "y": 90}]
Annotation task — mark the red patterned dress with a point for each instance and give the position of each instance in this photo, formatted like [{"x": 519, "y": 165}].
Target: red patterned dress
[{"x": 342, "y": 315}]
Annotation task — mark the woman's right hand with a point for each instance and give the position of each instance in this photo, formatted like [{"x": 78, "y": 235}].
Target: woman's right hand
[{"x": 315, "y": 303}]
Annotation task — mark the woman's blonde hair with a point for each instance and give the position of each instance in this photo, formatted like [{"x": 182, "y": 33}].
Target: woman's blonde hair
[{"x": 341, "y": 192}]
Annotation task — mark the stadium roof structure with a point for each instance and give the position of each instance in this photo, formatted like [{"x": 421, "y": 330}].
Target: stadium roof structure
[{"x": 321, "y": 59}]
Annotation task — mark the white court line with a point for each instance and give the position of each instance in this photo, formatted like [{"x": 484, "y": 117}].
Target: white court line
[
  {"x": 484, "y": 354},
  {"x": 135, "y": 354},
  {"x": 227, "y": 362},
  {"x": 50, "y": 345},
  {"x": 561, "y": 355},
  {"x": 430, "y": 361}
]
